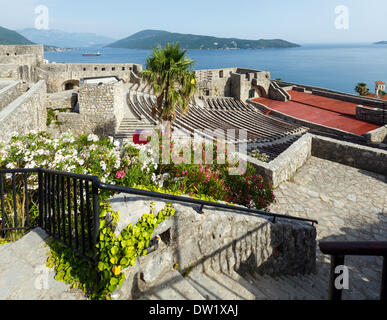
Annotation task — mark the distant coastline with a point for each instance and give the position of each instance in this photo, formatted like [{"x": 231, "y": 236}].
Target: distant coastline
[
  {"x": 149, "y": 39},
  {"x": 381, "y": 42}
]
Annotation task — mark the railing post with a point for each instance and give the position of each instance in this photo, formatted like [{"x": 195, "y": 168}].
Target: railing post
[
  {"x": 95, "y": 195},
  {"x": 383, "y": 285},
  {"x": 41, "y": 197},
  {"x": 334, "y": 293}
]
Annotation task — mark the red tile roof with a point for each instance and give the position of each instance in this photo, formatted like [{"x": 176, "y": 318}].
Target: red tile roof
[{"x": 380, "y": 82}]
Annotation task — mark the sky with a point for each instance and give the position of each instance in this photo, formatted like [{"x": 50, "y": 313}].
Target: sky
[{"x": 300, "y": 21}]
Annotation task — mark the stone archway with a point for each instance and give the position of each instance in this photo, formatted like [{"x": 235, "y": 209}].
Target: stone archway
[{"x": 70, "y": 85}]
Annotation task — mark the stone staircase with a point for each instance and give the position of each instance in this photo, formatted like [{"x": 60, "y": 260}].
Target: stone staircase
[
  {"x": 209, "y": 285},
  {"x": 129, "y": 125},
  {"x": 24, "y": 275}
]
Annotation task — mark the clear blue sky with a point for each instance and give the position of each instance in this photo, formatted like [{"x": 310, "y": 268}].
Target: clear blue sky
[{"x": 301, "y": 21}]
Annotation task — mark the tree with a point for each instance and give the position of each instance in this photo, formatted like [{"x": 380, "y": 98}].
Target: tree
[
  {"x": 362, "y": 89},
  {"x": 169, "y": 72}
]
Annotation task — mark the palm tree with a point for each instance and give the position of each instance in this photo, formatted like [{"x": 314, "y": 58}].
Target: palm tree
[
  {"x": 362, "y": 89},
  {"x": 168, "y": 72}
]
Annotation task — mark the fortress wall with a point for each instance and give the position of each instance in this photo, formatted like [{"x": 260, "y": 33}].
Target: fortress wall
[
  {"x": 28, "y": 59},
  {"x": 10, "y": 93},
  {"x": 242, "y": 84},
  {"x": 350, "y": 154},
  {"x": 101, "y": 110},
  {"x": 214, "y": 82},
  {"x": 26, "y": 113},
  {"x": 12, "y": 51},
  {"x": 56, "y": 75},
  {"x": 10, "y": 71}
]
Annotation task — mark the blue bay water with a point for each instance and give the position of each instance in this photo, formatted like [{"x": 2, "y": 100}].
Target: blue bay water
[{"x": 337, "y": 67}]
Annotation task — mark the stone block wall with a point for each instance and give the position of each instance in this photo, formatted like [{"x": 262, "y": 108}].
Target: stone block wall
[
  {"x": 219, "y": 240},
  {"x": 378, "y": 116},
  {"x": 214, "y": 82},
  {"x": 277, "y": 93},
  {"x": 10, "y": 93},
  {"x": 9, "y": 71},
  {"x": 377, "y": 135},
  {"x": 286, "y": 164},
  {"x": 101, "y": 110},
  {"x": 21, "y": 52},
  {"x": 242, "y": 83},
  {"x": 56, "y": 75},
  {"x": 26, "y": 113},
  {"x": 353, "y": 155}
]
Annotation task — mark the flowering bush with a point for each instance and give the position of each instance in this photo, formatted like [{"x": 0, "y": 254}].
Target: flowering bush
[{"x": 130, "y": 165}]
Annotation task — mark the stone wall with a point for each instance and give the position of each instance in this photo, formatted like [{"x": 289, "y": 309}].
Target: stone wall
[
  {"x": 57, "y": 74},
  {"x": 353, "y": 155},
  {"x": 277, "y": 93},
  {"x": 62, "y": 100},
  {"x": 243, "y": 83},
  {"x": 377, "y": 135},
  {"x": 101, "y": 110},
  {"x": 10, "y": 93},
  {"x": 224, "y": 241},
  {"x": 21, "y": 52},
  {"x": 9, "y": 71},
  {"x": 286, "y": 164},
  {"x": 378, "y": 116},
  {"x": 26, "y": 113}
]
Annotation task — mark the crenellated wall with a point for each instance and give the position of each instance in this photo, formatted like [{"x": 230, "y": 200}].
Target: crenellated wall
[{"x": 57, "y": 75}]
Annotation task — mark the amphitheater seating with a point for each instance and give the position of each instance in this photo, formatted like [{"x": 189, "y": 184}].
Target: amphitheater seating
[{"x": 272, "y": 135}]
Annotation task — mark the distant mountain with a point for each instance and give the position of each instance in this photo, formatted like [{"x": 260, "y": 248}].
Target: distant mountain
[
  {"x": 64, "y": 39},
  {"x": 12, "y": 37},
  {"x": 148, "y": 39},
  {"x": 381, "y": 42}
]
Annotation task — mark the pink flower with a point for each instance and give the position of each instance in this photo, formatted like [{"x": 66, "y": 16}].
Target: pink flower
[{"x": 120, "y": 174}]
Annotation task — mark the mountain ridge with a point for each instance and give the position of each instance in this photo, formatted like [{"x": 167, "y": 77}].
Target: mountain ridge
[
  {"x": 11, "y": 37},
  {"x": 149, "y": 39},
  {"x": 63, "y": 39}
]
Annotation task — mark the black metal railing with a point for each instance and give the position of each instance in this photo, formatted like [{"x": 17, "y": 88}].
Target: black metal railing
[
  {"x": 338, "y": 251},
  {"x": 68, "y": 206}
]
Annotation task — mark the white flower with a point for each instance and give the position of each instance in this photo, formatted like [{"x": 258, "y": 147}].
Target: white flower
[
  {"x": 103, "y": 165},
  {"x": 10, "y": 166},
  {"x": 92, "y": 137}
]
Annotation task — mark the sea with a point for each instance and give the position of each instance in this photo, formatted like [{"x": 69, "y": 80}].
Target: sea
[{"x": 331, "y": 66}]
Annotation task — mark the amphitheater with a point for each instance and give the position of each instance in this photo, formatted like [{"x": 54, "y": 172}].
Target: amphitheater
[{"x": 327, "y": 154}]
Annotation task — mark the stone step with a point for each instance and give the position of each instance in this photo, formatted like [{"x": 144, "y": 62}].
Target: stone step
[
  {"x": 305, "y": 286},
  {"x": 269, "y": 287},
  {"x": 24, "y": 275},
  {"x": 171, "y": 286},
  {"x": 218, "y": 286}
]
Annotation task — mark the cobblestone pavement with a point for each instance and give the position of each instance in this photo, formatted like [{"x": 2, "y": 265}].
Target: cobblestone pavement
[{"x": 350, "y": 205}]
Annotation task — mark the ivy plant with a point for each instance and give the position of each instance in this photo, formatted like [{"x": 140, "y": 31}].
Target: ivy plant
[{"x": 116, "y": 253}]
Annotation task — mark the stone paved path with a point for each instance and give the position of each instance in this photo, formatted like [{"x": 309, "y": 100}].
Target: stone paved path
[{"x": 350, "y": 205}]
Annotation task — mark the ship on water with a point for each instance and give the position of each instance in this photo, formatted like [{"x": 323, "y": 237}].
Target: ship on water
[{"x": 92, "y": 54}]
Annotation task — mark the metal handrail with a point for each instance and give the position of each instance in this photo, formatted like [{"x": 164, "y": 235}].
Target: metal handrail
[
  {"x": 60, "y": 213},
  {"x": 338, "y": 250},
  {"x": 202, "y": 203}
]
